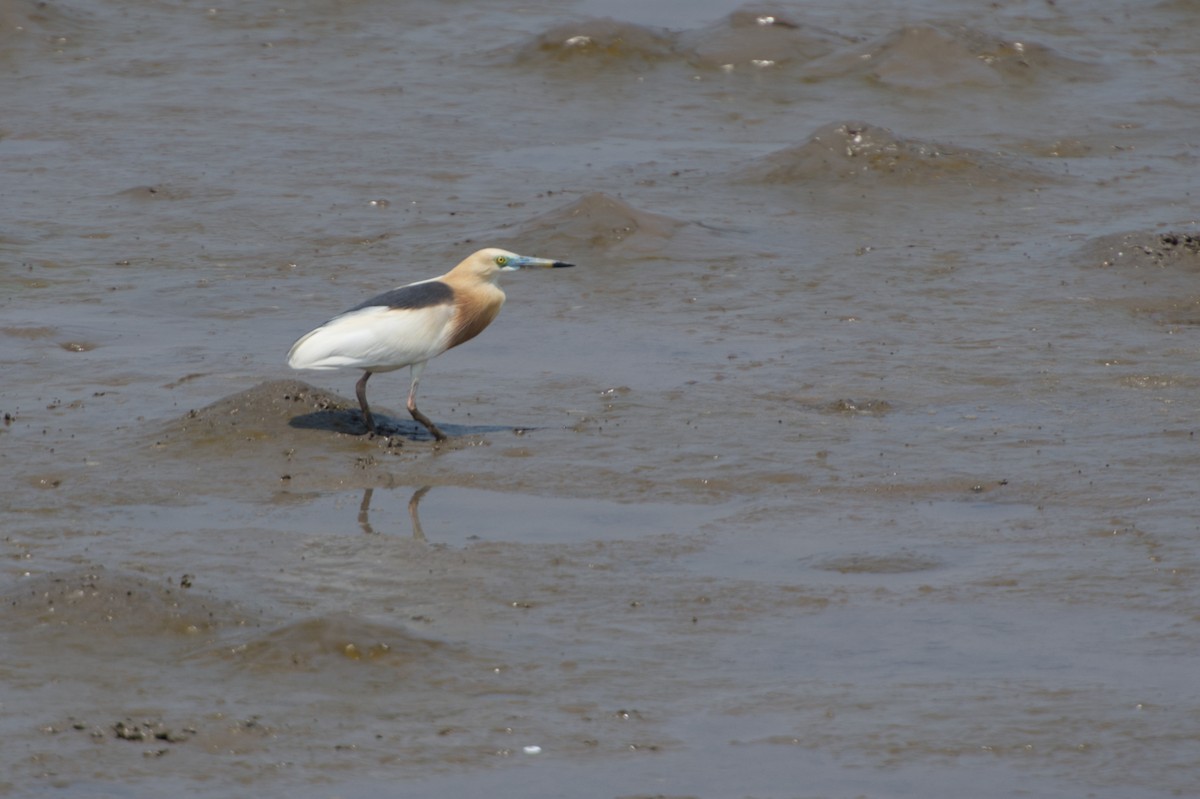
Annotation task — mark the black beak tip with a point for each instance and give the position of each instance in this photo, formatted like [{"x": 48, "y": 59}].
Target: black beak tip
[{"x": 561, "y": 264}]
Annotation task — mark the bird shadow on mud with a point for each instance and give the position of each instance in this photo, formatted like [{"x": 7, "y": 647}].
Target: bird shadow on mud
[{"x": 348, "y": 421}]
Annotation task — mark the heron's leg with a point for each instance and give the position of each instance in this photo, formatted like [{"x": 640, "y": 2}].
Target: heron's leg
[
  {"x": 417, "y": 368},
  {"x": 360, "y": 389}
]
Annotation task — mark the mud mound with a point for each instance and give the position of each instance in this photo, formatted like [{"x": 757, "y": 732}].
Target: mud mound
[
  {"x": 1153, "y": 274},
  {"x": 266, "y": 411},
  {"x": 758, "y": 37},
  {"x": 868, "y": 563},
  {"x": 113, "y": 602},
  {"x": 286, "y": 435},
  {"x": 290, "y": 412},
  {"x": 323, "y": 642},
  {"x": 926, "y": 57},
  {"x": 1143, "y": 250},
  {"x": 1024, "y": 62},
  {"x": 861, "y": 151},
  {"x": 598, "y": 41},
  {"x": 850, "y": 407},
  {"x": 164, "y": 192},
  {"x": 48, "y": 24},
  {"x": 596, "y": 222}
]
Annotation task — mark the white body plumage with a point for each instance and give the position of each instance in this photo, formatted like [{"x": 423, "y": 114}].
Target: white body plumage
[{"x": 378, "y": 338}]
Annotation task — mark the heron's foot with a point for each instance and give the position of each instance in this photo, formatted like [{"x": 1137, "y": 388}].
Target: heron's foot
[{"x": 429, "y": 425}]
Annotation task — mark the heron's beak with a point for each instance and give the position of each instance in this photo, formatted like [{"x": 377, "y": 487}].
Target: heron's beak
[{"x": 525, "y": 262}]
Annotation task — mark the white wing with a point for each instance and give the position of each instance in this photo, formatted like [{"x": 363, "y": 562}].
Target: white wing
[{"x": 377, "y": 338}]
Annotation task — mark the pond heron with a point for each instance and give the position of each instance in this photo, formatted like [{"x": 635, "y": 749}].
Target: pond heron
[{"x": 409, "y": 325}]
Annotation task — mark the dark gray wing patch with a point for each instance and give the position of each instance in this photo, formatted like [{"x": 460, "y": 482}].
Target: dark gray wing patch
[{"x": 416, "y": 295}]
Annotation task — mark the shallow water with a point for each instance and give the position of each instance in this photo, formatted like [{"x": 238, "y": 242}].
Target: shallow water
[{"x": 856, "y": 457}]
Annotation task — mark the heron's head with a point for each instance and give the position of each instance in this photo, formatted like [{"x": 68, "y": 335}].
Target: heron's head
[{"x": 487, "y": 264}]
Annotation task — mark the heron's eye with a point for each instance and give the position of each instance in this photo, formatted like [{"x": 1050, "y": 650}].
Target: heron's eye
[{"x": 501, "y": 260}]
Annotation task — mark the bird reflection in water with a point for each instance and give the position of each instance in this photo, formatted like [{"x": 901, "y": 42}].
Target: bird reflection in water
[{"x": 364, "y": 512}]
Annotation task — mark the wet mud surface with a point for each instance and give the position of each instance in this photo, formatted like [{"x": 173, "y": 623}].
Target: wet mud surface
[{"x": 857, "y": 453}]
